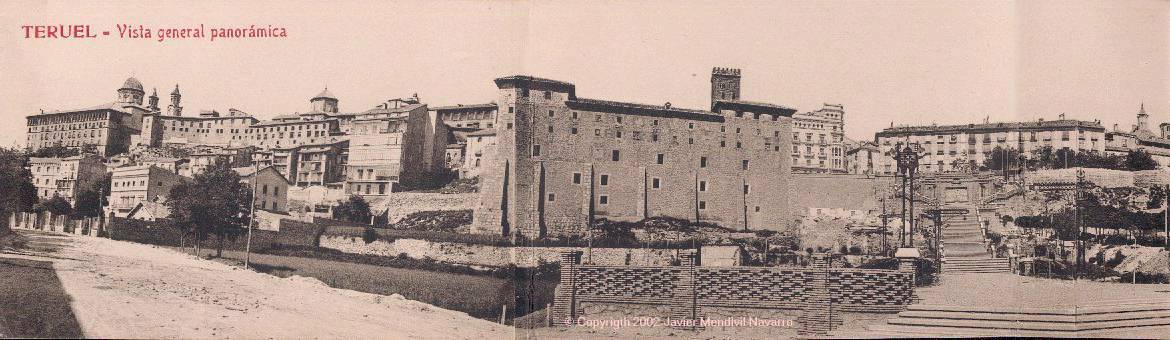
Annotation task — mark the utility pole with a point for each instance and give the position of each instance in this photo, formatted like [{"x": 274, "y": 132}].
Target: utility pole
[
  {"x": 1077, "y": 222},
  {"x": 1166, "y": 224},
  {"x": 251, "y": 216}
]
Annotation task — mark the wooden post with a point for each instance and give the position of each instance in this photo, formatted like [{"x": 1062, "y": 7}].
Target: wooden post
[{"x": 504, "y": 314}]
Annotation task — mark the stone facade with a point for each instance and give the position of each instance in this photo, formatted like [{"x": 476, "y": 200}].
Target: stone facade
[
  {"x": 270, "y": 187},
  {"x": 209, "y": 129},
  {"x": 1140, "y": 137},
  {"x": 64, "y": 177},
  {"x": 387, "y": 148},
  {"x": 562, "y": 161},
  {"x": 493, "y": 256},
  {"x": 133, "y": 185},
  {"x": 818, "y": 140},
  {"x": 860, "y": 160},
  {"x": 475, "y": 116},
  {"x": 960, "y": 147}
]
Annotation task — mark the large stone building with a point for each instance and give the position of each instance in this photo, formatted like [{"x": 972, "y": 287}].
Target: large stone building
[
  {"x": 563, "y": 162},
  {"x": 818, "y": 140},
  {"x": 862, "y": 158},
  {"x": 476, "y": 116},
  {"x": 311, "y": 164},
  {"x": 960, "y": 147},
  {"x": 108, "y": 127},
  {"x": 133, "y": 186},
  {"x": 65, "y": 177},
  {"x": 1140, "y": 137},
  {"x": 388, "y": 146},
  {"x": 270, "y": 187}
]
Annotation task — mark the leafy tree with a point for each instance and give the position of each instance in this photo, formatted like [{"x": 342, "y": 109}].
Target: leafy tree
[
  {"x": 55, "y": 151},
  {"x": 56, "y": 206},
  {"x": 1064, "y": 158},
  {"x": 1094, "y": 159},
  {"x": 88, "y": 149},
  {"x": 1002, "y": 159},
  {"x": 355, "y": 209},
  {"x": 91, "y": 196},
  {"x": 16, "y": 183},
  {"x": 214, "y": 203},
  {"x": 1043, "y": 158},
  {"x": 1140, "y": 160},
  {"x": 1157, "y": 197}
]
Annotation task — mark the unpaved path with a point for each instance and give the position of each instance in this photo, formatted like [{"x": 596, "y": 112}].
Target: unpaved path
[{"x": 128, "y": 290}]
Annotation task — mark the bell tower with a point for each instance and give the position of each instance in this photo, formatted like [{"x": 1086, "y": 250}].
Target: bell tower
[
  {"x": 724, "y": 84},
  {"x": 175, "y": 109}
]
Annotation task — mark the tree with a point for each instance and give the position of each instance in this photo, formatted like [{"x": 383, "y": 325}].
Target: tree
[
  {"x": 91, "y": 196},
  {"x": 55, "y": 151},
  {"x": 355, "y": 209},
  {"x": 1001, "y": 159},
  {"x": 1043, "y": 158},
  {"x": 16, "y": 183},
  {"x": 214, "y": 203},
  {"x": 1094, "y": 159},
  {"x": 56, "y": 206},
  {"x": 1140, "y": 160}
]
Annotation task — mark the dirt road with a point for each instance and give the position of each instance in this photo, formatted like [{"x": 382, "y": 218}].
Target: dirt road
[{"x": 128, "y": 290}]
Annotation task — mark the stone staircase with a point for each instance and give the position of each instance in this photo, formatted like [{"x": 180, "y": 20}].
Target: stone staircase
[
  {"x": 964, "y": 251},
  {"x": 1113, "y": 319}
]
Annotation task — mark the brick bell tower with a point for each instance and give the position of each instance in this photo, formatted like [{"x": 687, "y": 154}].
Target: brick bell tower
[{"x": 724, "y": 84}]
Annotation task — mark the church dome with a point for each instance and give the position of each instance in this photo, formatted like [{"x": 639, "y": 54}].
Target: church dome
[
  {"x": 132, "y": 84},
  {"x": 325, "y": 94}
]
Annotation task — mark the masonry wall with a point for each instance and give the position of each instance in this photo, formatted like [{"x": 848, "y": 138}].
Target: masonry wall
[
  {"x": 702, "y": 176},
  {"x": 483, "y": 255}
]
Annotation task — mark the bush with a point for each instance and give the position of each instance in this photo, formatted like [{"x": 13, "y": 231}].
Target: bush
[
  {"x": 368, "y": 235},
  {"x": 448, "y": 220}
]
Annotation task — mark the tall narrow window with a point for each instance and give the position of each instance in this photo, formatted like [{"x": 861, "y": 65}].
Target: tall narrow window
[
  {"x": 536, "y": 150},
  {"x": 576, "y": 178},
  {"x": 744, "y": 164},
  {"x": 616, "y": 156},
  {"x": 661, "y": 158},
  {"x": 604, "y": 179},
  {"x": 703, "y": 162},
  {"x": 655, "y": 183},
  {"x": 703, "y": 186}
]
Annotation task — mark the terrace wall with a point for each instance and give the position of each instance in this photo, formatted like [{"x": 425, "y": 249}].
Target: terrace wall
[
  {"x": 689, "y": 292},
  {"x": 494, "y": 256}
]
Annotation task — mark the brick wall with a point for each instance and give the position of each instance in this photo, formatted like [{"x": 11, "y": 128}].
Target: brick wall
[{"x": 819, "y": 290}]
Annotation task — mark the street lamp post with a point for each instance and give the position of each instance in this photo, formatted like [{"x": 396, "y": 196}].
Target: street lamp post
[
  {"x": 1078, "y": 196},
  {"x": 907, "y": 157}
]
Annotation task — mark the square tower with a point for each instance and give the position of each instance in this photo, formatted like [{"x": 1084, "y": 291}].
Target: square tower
[{"x": 724, "y": 84}]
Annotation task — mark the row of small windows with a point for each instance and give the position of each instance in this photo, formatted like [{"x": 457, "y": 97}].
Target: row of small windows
[{"x": 616, "y": 156}]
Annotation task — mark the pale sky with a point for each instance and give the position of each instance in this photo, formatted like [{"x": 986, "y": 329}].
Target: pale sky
[{"x": 906, "y": 62}]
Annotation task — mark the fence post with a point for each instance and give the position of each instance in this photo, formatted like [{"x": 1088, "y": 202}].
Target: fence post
[
  {"x": 816, "y": 317},
  {"x": 564, "y": 308},
  {"x": 684, "y": 303}
]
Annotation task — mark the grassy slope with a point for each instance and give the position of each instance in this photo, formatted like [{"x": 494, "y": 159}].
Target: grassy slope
[
  {"x": 33, "y": 303},
  {"x": 477, "y": 295}
]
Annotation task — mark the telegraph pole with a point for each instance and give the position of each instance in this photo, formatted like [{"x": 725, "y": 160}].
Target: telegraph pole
[{"x": 251, "y": 216}]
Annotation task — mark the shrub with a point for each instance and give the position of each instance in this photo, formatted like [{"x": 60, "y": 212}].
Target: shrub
[
  {"x": 368, "y": 235},
  {"x": 449, "y": 220}
]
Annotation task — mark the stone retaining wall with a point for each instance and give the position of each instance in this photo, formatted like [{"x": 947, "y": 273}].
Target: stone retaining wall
[
  {"x": 494, "y": 256},
  {"x": 689, "y": 292}
]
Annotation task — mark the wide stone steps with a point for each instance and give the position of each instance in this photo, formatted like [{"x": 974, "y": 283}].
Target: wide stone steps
[
  {"x": 976, "y": 265},
  {"x": 950, "y": 321}
]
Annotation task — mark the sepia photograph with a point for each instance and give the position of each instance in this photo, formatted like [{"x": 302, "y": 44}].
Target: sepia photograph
[{"x": 519, "y": 169}]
